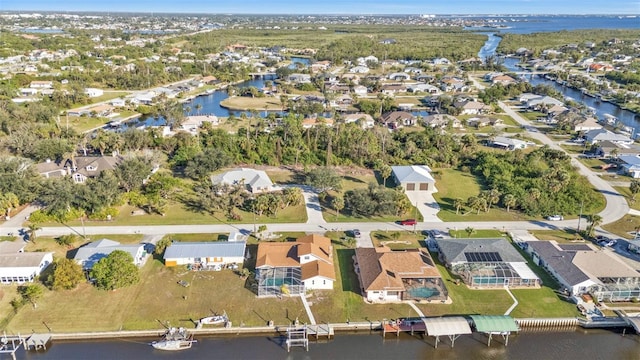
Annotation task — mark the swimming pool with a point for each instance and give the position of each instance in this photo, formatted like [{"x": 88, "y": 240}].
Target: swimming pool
[{"x": 423, "y": 292}]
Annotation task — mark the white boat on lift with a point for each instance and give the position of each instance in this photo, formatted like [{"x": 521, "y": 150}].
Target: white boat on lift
[{"x": 174, "y": 340}]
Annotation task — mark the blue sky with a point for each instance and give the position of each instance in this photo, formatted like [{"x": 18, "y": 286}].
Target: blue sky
[{"x": 336, "y": 6}]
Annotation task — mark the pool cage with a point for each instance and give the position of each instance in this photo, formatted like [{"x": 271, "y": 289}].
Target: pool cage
[
  {"x": 279, "y": 281},
  {"x": 616, "y": 290},
  {"x": 488, "y": 275}
]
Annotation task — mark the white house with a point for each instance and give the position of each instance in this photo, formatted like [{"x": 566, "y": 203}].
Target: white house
[
  {"x": 366, "y": 120},
  {"x": 414, "y": 177},
  {"x": 213, "y": 255},
  {"x": 596, "y": 136},
  {"x": 256, "y": 181},
  {"x": 359, "y": 69},
  {"x": 360, "y": 90},
  {"x": 18, "y": 267},
  {"x": 88, "y": 255},
  {"x": 195, "y": 122},
  {"x": 93, "y": 92},
  {"x": 508, "y": 143}
]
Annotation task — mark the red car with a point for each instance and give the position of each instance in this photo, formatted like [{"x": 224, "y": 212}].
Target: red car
[{"x": 408, "y": 222}]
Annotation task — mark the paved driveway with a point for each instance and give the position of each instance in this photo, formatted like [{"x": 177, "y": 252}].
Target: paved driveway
[{"x": 426, "y": 204}]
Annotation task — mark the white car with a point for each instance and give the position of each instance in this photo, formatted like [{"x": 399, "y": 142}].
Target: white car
[{"x": 555, "y": 218}]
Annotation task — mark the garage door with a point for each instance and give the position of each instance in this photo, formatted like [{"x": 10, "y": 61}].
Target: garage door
[
  {"x": 171, "y": 263},
  {"x": 411, "y": 186},
  {"x": 424, "y": 186}
]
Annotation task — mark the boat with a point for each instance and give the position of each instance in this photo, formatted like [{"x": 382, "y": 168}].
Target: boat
[
  {"x": 210, "y": 91},
  {"x": 174, "y": 340},
  {"x": 214, "y": 320}
]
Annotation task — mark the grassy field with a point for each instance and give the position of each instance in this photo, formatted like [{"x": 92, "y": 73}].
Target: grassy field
[
  {"x": 397, "y": 240},
  {"x": 452, "y": 184},
  {"x": 246, "y": 103},
  {"x": 49, "y": 244},
  {"x": 561, "y": 236},
  {"x": 624, "y": 227},
  {"x": 626, "y": 192},
  {"x": 461, "y": 234}
]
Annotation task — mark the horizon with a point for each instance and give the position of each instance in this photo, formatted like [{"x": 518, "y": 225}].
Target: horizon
[{"x": 355, "y": 7}]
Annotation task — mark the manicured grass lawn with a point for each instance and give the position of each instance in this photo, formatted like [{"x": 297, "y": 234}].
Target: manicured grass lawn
[
  {"x": 180, "y": 214},
  {"x": 626, "y": 192},
  {"x": 561, "y": 236},
  {"x": 346, "y": 302},
  {"x": 397, "y": 240},
  {"x": 452, "y": 184},
  {"x": 84, "y": 123},
  {"x": 49, "y": 244},
  {"x": 247, "y": 103},
  {"x": 573, "y": 149},
  {"x": 157, "y": 297},
  {"x": 531, "y": 115},
  {"x": 478, "y": 234},
  {"x": 197, "y": 237},
  {"x": 624, "y": 227},
  {"x": 593, "y": 164}
]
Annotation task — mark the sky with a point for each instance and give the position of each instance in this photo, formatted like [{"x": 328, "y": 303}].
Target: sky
[{"x": 573, "y": 7}]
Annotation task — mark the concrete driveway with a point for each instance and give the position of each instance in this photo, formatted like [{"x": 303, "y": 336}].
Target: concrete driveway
[{"x": 426, "y": 204}]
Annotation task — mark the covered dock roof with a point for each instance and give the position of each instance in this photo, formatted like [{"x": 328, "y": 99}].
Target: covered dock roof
[
  {"x": 495, "y": 324},
  {"x": 451, "y": 326}
]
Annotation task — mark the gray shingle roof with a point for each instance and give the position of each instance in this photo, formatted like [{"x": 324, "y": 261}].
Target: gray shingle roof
[
  {"x": 252, "y": 178},
  {"x": 454, "y": 249},
  {"x": 181, "y": 250},
  {"x": 560, "y": 261}
]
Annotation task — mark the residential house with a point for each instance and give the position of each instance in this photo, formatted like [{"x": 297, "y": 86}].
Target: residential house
[
  {"x": 441, "y": 61},
  {"x": 451, "y": 84},
  {"x": 256, "y": 181},
  {"x": 441, "y": 121},
  {"x": 587, "y": 124},
  {"x": 630, "y": 165},
  {"x": 508, "y": 143},
  {"x": 209, "y": 80},
  {"x": 144, "y": 99},
  {"x": 609, "y": 149},
  {"x": 214, "y": 255},
  {"x": 486, "y": 263},
  {"x": 194, "y": 122},
  {"x": 425, "y": 88},
  {"x": 390, "y": 276},
  {"x": 395, "y": 119},
  {"x": 299, "y": 78},
  {"x": 596, "y": 136},
  {"x": 294, "y": 267},
  {"x": 399, "y": 76},
  {"x": 392, "y": 89},
  {"x": 119, "y": 102},
  {"x": 359, "y": 69},
  {"x": 360, "y": 90},
  {"x": 88, "y": 255},
  {"x": 19, "y": 267},
  {"x": 413, "y": 178},
  {"x": 312, "y": 122},
  {"x": 366, "y": 120},
  {"x": 472, "y": 107},
  {"x": 581, "y": 269},
  {"x": 541, "y": 102},
  {"x": 93, "y": 92},
  {"x": 41, "y": 84},
  {"x": 80, "y": 168},
  {"x": 503, "y": 79}
]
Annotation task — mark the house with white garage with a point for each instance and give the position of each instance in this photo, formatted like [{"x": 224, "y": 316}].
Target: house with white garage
[
  {"x": 414, "y": 177},
  {"x": 89, "y": 254},
  {"x": 256, "y": 181},
  {"x": 598, "y": 135},
  {"x": 508, "y": 143},
  {"x": 630, "y": 165},
  {"x": 390, "y": 276},
  {"x": 19, "y": 267},
  {"x": 583, "y": 269},
  {"x": 292, "y": 267},
  {"x": 486, "y": 263},
  {"x": 214, "y": 255}
]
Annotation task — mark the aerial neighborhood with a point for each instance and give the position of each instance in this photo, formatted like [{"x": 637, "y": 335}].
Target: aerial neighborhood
[{"x": 184, "y": 166}]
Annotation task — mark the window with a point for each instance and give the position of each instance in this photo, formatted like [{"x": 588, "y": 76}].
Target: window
[
  {"x": 411, "y": 187},
  {"x": 424, "y": 186}
]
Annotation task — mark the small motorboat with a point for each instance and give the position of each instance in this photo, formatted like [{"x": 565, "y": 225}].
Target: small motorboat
[{"x": 174, "y": 340}]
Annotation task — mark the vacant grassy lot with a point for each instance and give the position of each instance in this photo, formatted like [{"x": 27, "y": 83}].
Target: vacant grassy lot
[
  {"x": 561, "y": 236},
  {"x": 397, "y": 240},
  {"x": 624, "y": 227},
  {"x": 157, "y": 297},
  {"x": 248, "y": 103},
  {"x": 452, "y": 184},
  {"x": 626, "y": 192}
]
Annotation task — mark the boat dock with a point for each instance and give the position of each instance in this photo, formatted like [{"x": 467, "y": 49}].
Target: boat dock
[
  {"x": 297, "y": 337},
  {"x": 321, "y": 330}
]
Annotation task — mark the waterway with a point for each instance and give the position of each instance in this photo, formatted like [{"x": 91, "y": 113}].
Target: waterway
[{"x": 579, "y": 344}]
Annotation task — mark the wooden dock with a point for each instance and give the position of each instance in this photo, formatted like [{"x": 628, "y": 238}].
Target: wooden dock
[
  {"x": 320, "y": 330},
  {"x": 398, "y": 326}
]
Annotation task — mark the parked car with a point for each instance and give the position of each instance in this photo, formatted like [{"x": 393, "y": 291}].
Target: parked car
[
  {"x": 435, "y": 234},
  {"x": 356, "y": 233},
  {"x": 555, "y": 218},
  {"x": 611, "y": 243},
  {"x": 601, "y": 238},
  {"x": 408, "y": 222}
]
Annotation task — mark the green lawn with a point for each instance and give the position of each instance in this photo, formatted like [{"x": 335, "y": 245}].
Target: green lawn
[
  {"x": 561, "y": 236},
  {"x": 480, "y": 234},
  {"x": 626, "y": 192},
  {"x": 157, "y": 297},
  {"x": 397, "y": 240},
  {"x": 452, "y": 184},
  {"x": 49, "y": 244},
  {"x": 624, "y": 227}
]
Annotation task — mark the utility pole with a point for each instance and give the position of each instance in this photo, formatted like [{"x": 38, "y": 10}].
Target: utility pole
[{"x": 580, "y": 217}]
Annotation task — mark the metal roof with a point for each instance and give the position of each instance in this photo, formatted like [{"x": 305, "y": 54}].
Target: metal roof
[
  {"x": 413, "y": 173},
  {"x": 181, "y": 250},
  {"x": 494, "y": 323},
  {"x": 450, "y": 325}
]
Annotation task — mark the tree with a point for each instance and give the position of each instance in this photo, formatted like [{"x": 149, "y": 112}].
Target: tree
[
  {"x": 31, "y": 293},
  {"x": 67, "y": 240},
  {"x": 634, "y": 187},
  {"x": 338, "y": 204},
  {"x": 469, "y": 230},
  {"x": 8, "y": 201},
  {"x": 115, "y": 271},
  {"x": 33, "y": 228},
  {"x": 132, "y": 172},
  {"x": 67, "y": 274},
  {"x": 204, "y": 163},
  {"x": 594, "y": 221},
  {"x": 162, "y": 245},
  {"x": 509, "y": 201},
  {"x": 458, "y": 203},
  {"x": 324, "y": 179}
]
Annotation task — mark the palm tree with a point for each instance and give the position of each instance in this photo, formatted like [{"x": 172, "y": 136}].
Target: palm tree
[
  {"x": 594, "y": 221},
  {"x": 509, "y": 201},
  {"x": 33, "y": 228},
  {"x": 198, "y": 108},
  {"x": 458, "y": 203}
]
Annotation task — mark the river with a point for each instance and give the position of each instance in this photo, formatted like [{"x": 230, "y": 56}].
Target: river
[{"x": 580, "y": 344}]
